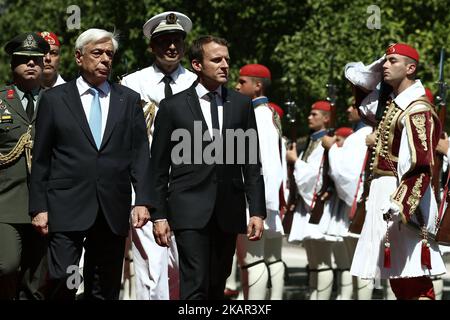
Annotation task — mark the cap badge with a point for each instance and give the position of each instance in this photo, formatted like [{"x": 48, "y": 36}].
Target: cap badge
[
  {"x": 46, "y": 35},
  {"x": 391, "y": 49},
  {"x": 29, "y": 42},
  {"x": 171, "y": 18}
]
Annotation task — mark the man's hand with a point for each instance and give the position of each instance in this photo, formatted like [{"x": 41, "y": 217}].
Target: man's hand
[
  {"x": 370, "y": 139},
  {"x": 442, "y": 146},
  {"x": 161, "y": 232},
  {"x": 255, "y": 228},
  {"x": 140, "y": 216},
  {"x": 291, "y": 153},
  {"x": 40, "y": 222},
  {"x": 328, "y": 141}
]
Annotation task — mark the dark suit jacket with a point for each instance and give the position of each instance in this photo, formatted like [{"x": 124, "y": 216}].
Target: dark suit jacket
[
  {"x": 190, "y": 193},
  {"x": 14, "y": 176},
  {"x": 71, "y": 179}
]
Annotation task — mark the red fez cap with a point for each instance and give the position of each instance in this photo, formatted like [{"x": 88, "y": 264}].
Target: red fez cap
[
  {"x": 50, "y": 37},
  {"x": 404, "y": 50},
  {"x": 343, "y": 131},
  {"x": 255, "y": 70},
  {"x": 321, "y": 105},
  {"x": 429, "y": 95},
  {"x": 277, "y": 108}
]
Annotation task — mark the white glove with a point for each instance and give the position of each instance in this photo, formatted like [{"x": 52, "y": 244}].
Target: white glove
[{"x": 364, "y": 76}]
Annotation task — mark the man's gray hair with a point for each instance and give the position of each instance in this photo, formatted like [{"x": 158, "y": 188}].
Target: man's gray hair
[{"x": 94, "y": 35}]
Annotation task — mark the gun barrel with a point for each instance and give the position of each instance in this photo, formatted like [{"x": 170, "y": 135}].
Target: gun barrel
[{"x": 441, "y": 65}]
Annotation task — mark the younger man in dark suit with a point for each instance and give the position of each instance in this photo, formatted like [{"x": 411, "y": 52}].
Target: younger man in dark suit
[{"x": 204, "y": 201}]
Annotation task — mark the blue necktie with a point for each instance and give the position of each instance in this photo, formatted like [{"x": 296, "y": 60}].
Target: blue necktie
[{"x": 95, "y": 117}]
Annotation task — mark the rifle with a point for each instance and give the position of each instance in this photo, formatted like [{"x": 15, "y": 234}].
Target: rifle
[
  {"x": 327, "y": 183},
  {"x": 331, "y": 94},
  {"x": 441, "y": 105},
  {"x": 443, "y": 232},
  {"x": 293, "y": 192},
  {"x": 358, "y": 211}
]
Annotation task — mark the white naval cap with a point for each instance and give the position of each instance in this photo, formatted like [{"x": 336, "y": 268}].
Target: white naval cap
[
  {"x": 167, "y": 22},
  {"x": 365, "y": 76}
]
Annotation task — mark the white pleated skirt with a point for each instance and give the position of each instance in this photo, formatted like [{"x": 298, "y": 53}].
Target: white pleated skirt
[{"x": 405, "y": 242}]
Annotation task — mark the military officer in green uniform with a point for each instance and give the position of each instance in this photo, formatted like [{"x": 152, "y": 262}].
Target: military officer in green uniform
[{"x": 22, "y": 249}]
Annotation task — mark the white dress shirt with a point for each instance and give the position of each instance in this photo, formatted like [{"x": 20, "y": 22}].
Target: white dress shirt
[
  {"x": 87, "y": 96},
  {"x": 148, "y": 82},
  {"x": 59, "y": 80}
]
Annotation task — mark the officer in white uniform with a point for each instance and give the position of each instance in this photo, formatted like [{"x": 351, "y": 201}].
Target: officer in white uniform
[{"x": 156, "y": 267}]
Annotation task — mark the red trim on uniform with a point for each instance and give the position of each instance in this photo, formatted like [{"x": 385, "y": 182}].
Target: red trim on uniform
[
  {"x": 10, "y": 94},
  {"x": 412, "y": 288}
]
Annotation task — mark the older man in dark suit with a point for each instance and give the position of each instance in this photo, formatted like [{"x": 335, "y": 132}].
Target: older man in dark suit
[
  {"x": 91, "y": 145},
  {"x": 203, "y": 201}
]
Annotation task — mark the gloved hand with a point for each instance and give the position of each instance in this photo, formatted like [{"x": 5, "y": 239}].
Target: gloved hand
[
  {"x": 363, "y": 76},
  {"x": 377, "y": 65},
  {"x": 390, "y": 211}
]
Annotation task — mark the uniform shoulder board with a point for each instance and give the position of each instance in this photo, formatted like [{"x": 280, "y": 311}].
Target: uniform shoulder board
[
  {"x": 6, "y": 87},
  {"x": 119, "y": 78}
]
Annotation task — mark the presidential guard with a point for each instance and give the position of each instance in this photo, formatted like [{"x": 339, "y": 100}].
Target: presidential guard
[
  {"x": 260, "y": 261},
  {"x": 22, "y": 252},
  {"x": 396, "y": 241},
  {"x": 156, "y": 267},
  {"x": 338, "y": 224},
  {"x": 347, "y": 164},
  {"x": 441, "y": 148},
  {"x": 50, "y": 74},
  {"x": 309, "y": 178}
]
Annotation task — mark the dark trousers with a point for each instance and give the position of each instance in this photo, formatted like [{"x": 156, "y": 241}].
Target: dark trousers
[
  {"x": 205, "y": 259},
  {"x": 23, "y": 262},
  {"x": 103, "y": 261}
]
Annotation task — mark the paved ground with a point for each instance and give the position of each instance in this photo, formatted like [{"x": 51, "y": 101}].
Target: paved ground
[{"x": 296, "y": 284}]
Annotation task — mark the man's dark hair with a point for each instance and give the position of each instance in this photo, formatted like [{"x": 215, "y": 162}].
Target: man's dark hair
[
  {"x": 265, "y": 83},
  {"x": 196, "y": 49}
]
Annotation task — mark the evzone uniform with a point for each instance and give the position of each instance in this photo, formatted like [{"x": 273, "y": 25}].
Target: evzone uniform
[
  {"x": 260, "y": 261},
  {"x": 156, "y": 267},
  {"x": 318, "y": 244},
  {"x": 346, "y": 164},
  {"x": 397, "y": 246}
]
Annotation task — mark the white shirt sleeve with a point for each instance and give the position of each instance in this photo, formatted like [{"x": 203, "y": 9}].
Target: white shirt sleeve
[{"x": 270, "y": 156}]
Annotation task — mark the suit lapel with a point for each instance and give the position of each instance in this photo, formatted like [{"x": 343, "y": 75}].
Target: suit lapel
[
  {"x": 37, "y": 105},
  {"x": 116, "y": 101},
  {"x": 73, "y": 102},
  {"x": 15, "y": 104},
  {"x": 194, "y": 104}
]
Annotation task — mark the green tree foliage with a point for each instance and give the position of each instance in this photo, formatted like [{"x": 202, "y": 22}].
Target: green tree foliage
[{"x": 295, "y": 39}]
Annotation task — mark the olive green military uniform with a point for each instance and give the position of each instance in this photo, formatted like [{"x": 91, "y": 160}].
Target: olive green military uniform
[{"x": 22, "y": 250}]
